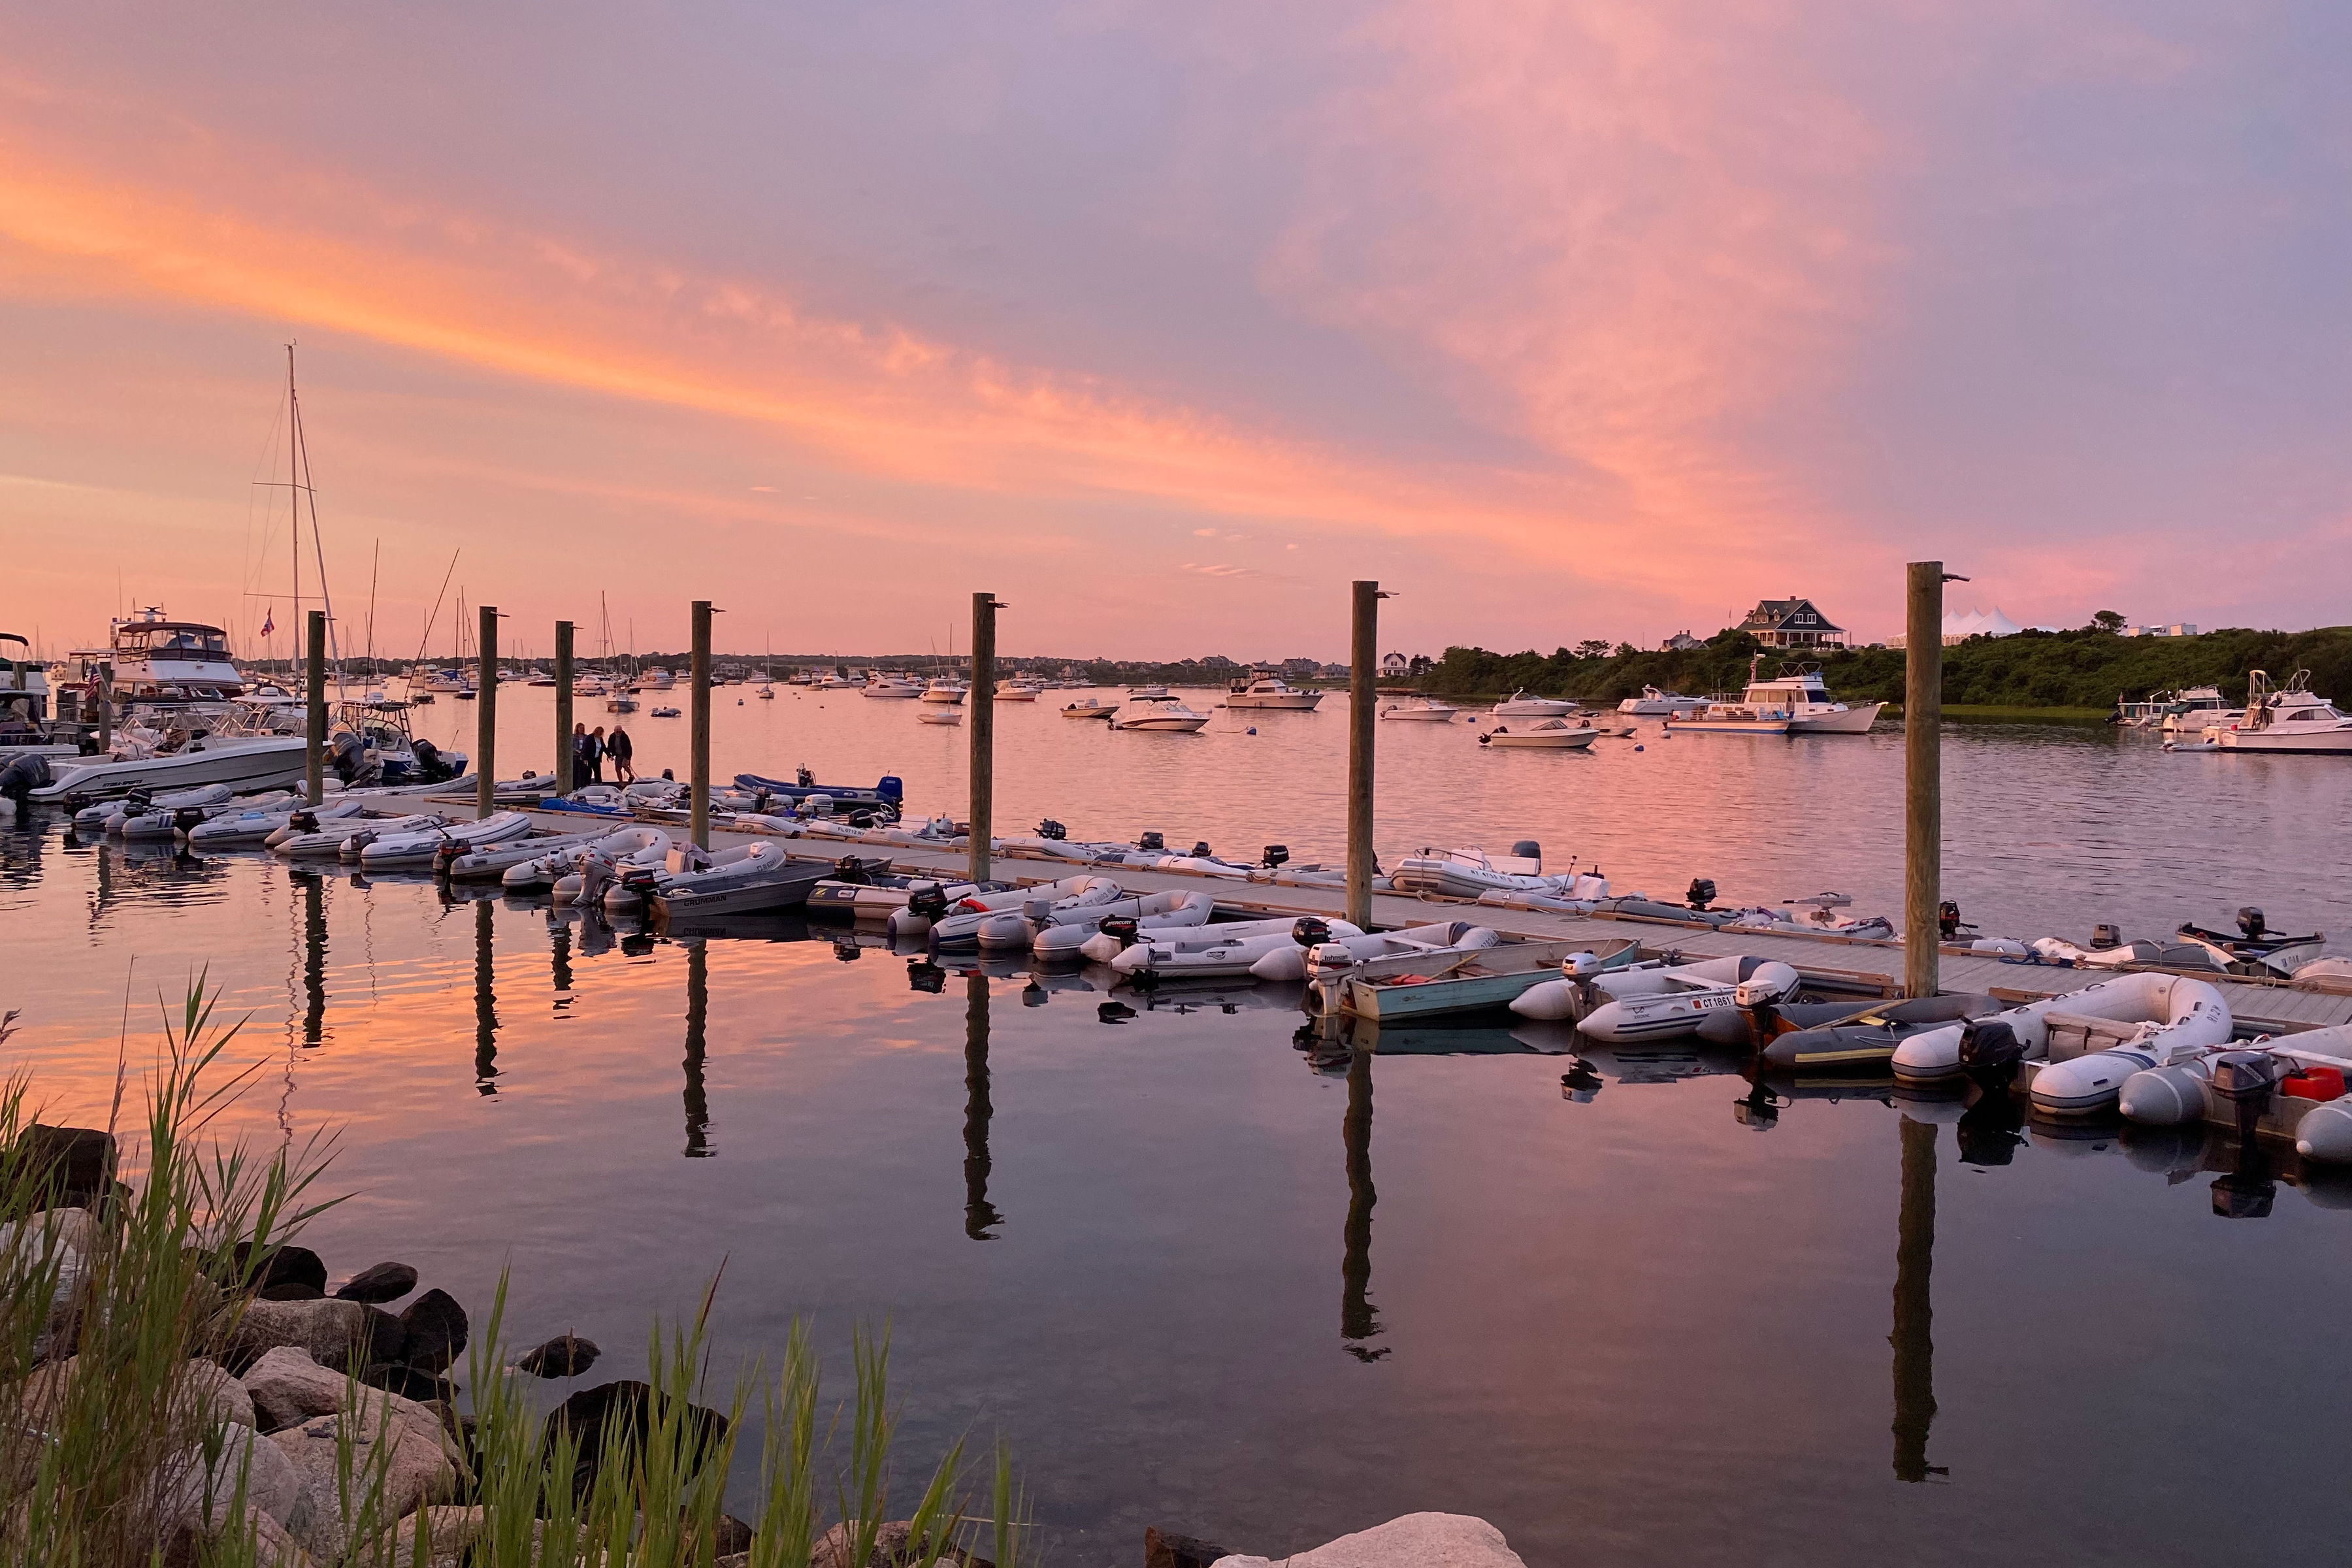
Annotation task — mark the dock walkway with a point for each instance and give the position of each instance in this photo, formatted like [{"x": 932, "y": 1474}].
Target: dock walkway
[{"x": 1861, "y": 967}]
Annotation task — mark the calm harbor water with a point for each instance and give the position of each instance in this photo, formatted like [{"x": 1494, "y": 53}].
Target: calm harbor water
[{"x": 1201, "y": 1280}]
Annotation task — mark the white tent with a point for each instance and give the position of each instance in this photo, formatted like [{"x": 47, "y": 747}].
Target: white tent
[{"x": 1969, "y": 623}]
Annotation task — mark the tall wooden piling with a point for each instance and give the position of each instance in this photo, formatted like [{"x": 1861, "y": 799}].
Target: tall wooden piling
[
  {"x": 563, "y": 752},
  {"x": 1363, "y": 662},
  {"x": 1923, "y": 797},
  {"x": 982, "y": 702},
  {"x": 486, "y": 716},
  {"x": 314, "y": 687},
  {"x": 699, "y": 759}
]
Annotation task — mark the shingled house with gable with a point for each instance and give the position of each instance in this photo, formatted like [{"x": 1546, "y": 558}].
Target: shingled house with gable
[{"x": 1791, "y": 623}]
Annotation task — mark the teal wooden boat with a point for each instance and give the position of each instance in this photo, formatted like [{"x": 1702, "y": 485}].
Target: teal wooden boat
[{"x": 1387, "y": 990}]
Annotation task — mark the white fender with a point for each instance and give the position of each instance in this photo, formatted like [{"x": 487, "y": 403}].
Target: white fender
[{"x": 2326, "y": 1132}]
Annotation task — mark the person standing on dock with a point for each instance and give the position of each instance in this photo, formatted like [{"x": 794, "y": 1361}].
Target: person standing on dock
[
  {"x": 596, "y": 754},
  {"x": 580, "y": 744},
  {"x": 624, "y": 752}
]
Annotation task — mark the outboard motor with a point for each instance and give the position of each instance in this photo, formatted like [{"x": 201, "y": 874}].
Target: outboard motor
[
  {"x": 2249, "y": 921},
  {"x": 850, "y": 868},
  {"x": 928, "y": 902},
  {"x": 187, "y": 819},
  {"x": 1310, "y": 930},
  {"x": 429, "y": 766},
  {"x": 1701, "y": 892},
  {"x": 1527, "y": 849},
  {"x": 1152, "y": 841},
  {"x": 1989, "y": 1051},
  {"x": 861, "y": 819},
  {"x": 20, "y": 778},
  {"x": 2105, "y": 936},
  {"x": 1948, "y": 919},
  {"x": 1326, "y": 975},
  {"x": 1123, "y": 930},
  {"x": 1049, "y": 828},
  {"x": 1277, "y": 854},
  {"x": 2243, "y": 1080},
  {"x": 303, "y": 822},
  {"x": 1200, "y": 849}
]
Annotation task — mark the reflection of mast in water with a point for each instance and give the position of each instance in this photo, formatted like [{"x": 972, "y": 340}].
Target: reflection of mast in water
[
  {"x": 1358, "y": 1319},
  {"x": 979, "y": 1214},
  {"x": 314, "y": 960},
  {"x": 697, "y": 1012},
  {"x": 562, "y": 950},
  {"x": 485, "y": 1002},
  {"x": 1912, "y": 1339}
]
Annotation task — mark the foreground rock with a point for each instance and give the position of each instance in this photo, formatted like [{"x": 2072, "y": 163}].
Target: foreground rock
[
  {"x": 375, "y": 1285},
  {"x": 628, "y": 1406},
  {"x": 894, "y": 1547},
  {"x": 281, "y": 1268},
  {"x": 337, "y": 1334},
  {"x": 72, "y": 1167},
  {"x": 1165, "y": 1549},
  {"x": 566, "y": 1355},
  {"x": 1415, "y": 1540},
  {"x": 435, "y": 1328}
]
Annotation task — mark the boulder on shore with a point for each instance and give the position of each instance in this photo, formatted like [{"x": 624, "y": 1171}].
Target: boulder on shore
[
  {"x": 332, "y": 1334},
  {"x": 435, "y": 1328},
  {"x": 279, "y": 1266},
  {"x": 1414, "y": 1540},
  {"x": 377, "y": 1285},
  {"x": 630, "y": 1403},
  {"x": 71, "y": 1166},
  {"x": 566, "y": 1355},
  {"x": 1165, "y": 1549}
]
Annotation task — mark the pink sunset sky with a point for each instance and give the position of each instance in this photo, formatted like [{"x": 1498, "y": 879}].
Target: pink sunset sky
[{"x": 1163, "y": 321}]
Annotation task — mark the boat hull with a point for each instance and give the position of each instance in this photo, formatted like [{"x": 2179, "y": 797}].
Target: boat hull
[
  {"x": 1727, "y": 726},
  {"x": 245, "y": 767},
  {"x": 1294, "y": 701},
  {"x": 2326, "y": 742},
  {"x": 1854, "y": 720}
]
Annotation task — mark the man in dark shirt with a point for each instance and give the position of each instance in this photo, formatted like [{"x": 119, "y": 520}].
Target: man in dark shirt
[{"x": 623, "y": 750}]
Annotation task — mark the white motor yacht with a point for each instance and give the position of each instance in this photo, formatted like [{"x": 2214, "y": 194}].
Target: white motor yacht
[
  {"x": 897, "y": 687},
  {"x": 1794, "y": 702},
  {"x": 944, "y": 691},
  {"x": 1019, "y": 691},
  {"x": 654, "y": 680},
  {"x": 1264, "y": 689},
  {"x": 1158, "y": 714},
  {"x": 1519, "y": 705},
  {"x": 1089, "y": 708},
  {"x": 1145, "y": 693},
  {"x": 244, "y": 762},
  {"x": 1428, "y": 711},
  {"x": 1655, "y": 704},
  {"x": 2285, "y": 719}
]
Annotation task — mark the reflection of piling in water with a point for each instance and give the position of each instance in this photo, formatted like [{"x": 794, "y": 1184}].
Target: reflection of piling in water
[
  {"x": 1912, "y": 1339},
  {"x": 697, "y": 1013},
  {"x": 979, "y": 1214},
  {"x": 314, "y": 960},
  {"x": 1358, "y": 1321},
  {"x": 485, "y": 1002},
  {"x": 562, "y": 956}
]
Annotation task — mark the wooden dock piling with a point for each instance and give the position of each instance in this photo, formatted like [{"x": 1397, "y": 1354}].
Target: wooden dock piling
[
  {"x": 701, "y": 711},
  {"x": 1363, "y": 664},
  {"x": 1923, "y": 785},
  {"x": 314, "y": 687},
  {"x": 983, "y": 729},
  {"x": 486, "y": 713},
  {"x": 563, "y": 752}
]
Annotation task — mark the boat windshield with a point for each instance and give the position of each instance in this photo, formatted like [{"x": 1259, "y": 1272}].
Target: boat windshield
[{"x": 185, "y": 641}]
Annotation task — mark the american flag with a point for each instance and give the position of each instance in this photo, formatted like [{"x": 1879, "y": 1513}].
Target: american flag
[{"x": 269, "y": 622}]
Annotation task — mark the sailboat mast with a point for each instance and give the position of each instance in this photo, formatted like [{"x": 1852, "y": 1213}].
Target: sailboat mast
[{"x": 293, "y": 500}]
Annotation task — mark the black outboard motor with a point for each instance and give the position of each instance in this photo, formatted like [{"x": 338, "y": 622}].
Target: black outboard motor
[
  {"x": 303, "y": 821},
  {"x": 1527, "y": 849},
  {"x": 2249, "y": 921},
  {"x": 2105, "y": 936},
  {"x": 1989, "y": 1051},
  {"x": 430, "y": 768},
  {"x": 1701, "y": 892},
  {"x": 1948, "y": 919},
  {"x": 850, "y": 868},
  {"x": 1277, "y": 854},
  {"x": 187, "y": 819},
  {"x": 861, "y": 819},
  {"x": 1049, "y": 828},
  {"x": 20, "y": 778},
  {"x": 929, "y": 902},
  {"x": 1123, "y": 930},
  {"x": 1200, "y": 849},
  {"x": 1310, "y": 930},
  {"x": 1152, "y": 841}
]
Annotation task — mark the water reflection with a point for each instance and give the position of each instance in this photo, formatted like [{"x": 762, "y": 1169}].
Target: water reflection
[
  {"x": 1358, "y": 1319},
  {"x": 697, "y": 1012},
  {"x": 1914, "y": 1316},
  {"x": 486, "y": 1001},
  {"x": 979, "y": 1215},
  {"x": 314, "y": 959},
  {"x": 560, "y": 960}
]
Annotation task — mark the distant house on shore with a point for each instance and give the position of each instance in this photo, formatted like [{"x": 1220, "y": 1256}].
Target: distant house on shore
[
  {"x": 1680, "y": 642},
  {"x": 1394, "y": 664},
  {"x": 2177, "y": 629},
  {"x": 1791, "y": 623}
]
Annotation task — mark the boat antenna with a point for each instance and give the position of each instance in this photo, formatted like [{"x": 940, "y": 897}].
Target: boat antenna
[{"x": 375, "y": 568}]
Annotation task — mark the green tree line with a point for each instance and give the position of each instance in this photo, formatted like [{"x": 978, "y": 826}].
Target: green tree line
[{"x": 2092, "y": 667}]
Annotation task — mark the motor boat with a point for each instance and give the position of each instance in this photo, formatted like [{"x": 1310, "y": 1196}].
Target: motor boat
[
  {"x": 873, "y": 893},
  {"x": 1702, "y": 999},
  {"x": 887, "y": 794},
  {"x": 1794, "y": 702},
  {"x": 940, "y": 716},
  {"x": 1547, "y": 734},
  {"x": 663, "y": 713},
  {"x": 2192, "y": 710},
  {"x": 1471, "y": 873},
  {"x": 654, "y": 680},
  {"x": 546, "y": 861},
  {"x": 2157, "y": 1012},
  {"x": 1006, "y": 921},
  {"x": 1519, "y": 705},
  {"x": 620, "y": 701},
  {"x": 1402, "y": 989},
  {"x": 492, "y": 861},
  {"x": 1262, "y": 689},
  {"x": 246, "y": 764},
  {"x": 945, "y": 692},
  {"x": 891, "y": 688},
  {"x": 1017, "y": 691},
  {"x": 329, "y": 840},
  {"x": 1147, "y": 693},
  {"x": 1166, "y": 713},
  {"x": 254, "y": 823},
  {"x": 156, "y": 660},
  {"x": 2256, "y": 951},
  {"x": 752, "y": 878},
  {"x": 2285, "y": 719},
  {"x": 1089, "y": 708},
  {"x": 1226, "y": 951},
  {"x": 1304, "y": 959},
  {"x": 438, "y": 845},
  {"x": 1070, "y": 933},
  {"x": 1427, "y": 709},
  {"x": 1655, "y": 704}
]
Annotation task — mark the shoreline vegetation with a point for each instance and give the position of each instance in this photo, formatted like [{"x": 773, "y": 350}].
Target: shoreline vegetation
[
  {"x": 180, "y": 1392},
  {"x": 2043, "y": 675}
]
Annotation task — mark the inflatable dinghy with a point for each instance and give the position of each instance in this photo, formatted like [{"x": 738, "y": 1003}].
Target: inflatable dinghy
[
  {"x": 1861, "y": 1036},
  {"x": 2131, "y": 1022},
  {"x": 1702, "y": 999}
]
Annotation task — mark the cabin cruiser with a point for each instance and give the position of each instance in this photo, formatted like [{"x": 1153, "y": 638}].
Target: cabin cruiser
[
  {"x": 1262, "y": 689},
  {"x": 892, "y": 686},
  {"x": 1089, "y": 708},
  {"x": 1655, "y": 704},
  {"x": 654, "y": 680},
  {"x": 1018, "y": 691},
  {"x": 1145, "y": 693},
  {"x": 1162, "y": 713},
  {"x": 445, "y": 680},
  {"x": 1794, "y": 702},
  {"x": 945, "y": 692},
  {"x": 157, "y": 659},
  {"x": 2195, "y": 709},
  {"x": 2285, "y": 719},
  {"x": 1428, "y": 710},
  {"x": 23, "y": 681},
  {"x": 1519, "y": 705}
]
